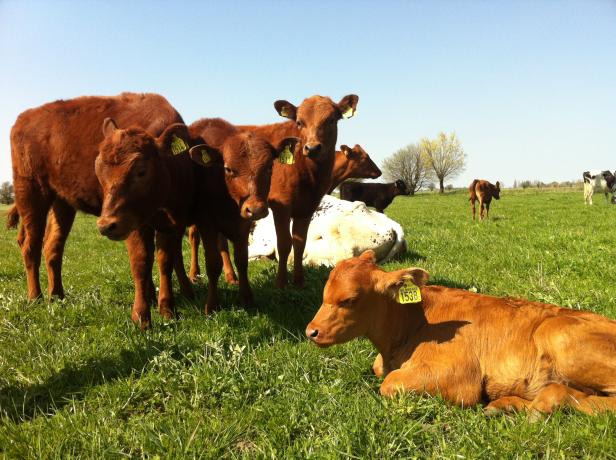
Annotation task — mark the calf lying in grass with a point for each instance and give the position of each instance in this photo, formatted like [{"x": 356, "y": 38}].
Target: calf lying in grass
[{"x": 512, "y": 354}]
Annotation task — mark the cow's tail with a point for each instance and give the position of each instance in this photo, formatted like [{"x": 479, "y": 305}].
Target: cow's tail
[
  {"x": 12, "y": 218},
  {"x": 471, "y": 189}
]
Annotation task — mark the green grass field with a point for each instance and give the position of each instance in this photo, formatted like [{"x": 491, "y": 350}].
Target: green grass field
[{"x": 78, "y": 379}]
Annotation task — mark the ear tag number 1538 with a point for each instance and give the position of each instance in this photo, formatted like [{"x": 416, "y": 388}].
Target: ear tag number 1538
[
  {"x": 409, "y": 293},
  {"x": 286, "y": 156}
]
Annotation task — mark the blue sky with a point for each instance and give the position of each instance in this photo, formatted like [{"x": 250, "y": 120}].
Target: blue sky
[{"x": 528, "y": 86}]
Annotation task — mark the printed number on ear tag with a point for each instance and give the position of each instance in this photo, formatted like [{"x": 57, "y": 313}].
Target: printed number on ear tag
[
  {"x": 178, "y": 145},
  {"x": 205, "y": 157},
  {"x": 409, "y": 293},
  {"x": 286, "y": 156},
  {"x": 349, "y": 113}
]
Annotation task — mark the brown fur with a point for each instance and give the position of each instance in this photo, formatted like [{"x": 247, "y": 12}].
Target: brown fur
[
  {"x": 483, "y": 191},
  {"x": 467, "y": 347},
  {"x": 378, "y": 195},
  {"x": 233, "y": 197},
  {"x": 12, "y": 218},
  {"x": 352, "y": 163},
  {"x": 53, "y": 148},
  {"x": 297, "y": 189}
]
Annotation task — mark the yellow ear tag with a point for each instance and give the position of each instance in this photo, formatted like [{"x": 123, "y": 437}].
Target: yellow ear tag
[
  {"x": 286, "y": 156},
  {"x": 178, "y": 145},
  {"x": 349, "y": 113},
  {"x": 205, "y": 157},
  {"x": 409, "y": 293}
]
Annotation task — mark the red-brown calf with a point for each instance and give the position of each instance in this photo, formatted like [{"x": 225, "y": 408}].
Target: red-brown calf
[
  {"x": 467, "y": 347},
  {"x": 352, "y": 163},
  {"x": 483, "y": 191}
]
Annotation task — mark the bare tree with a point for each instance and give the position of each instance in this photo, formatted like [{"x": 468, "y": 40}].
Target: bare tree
[
  {"x": 6, "y": 193},
  {"x": 445, "y": 156},
  {"x": 409, "y": 164}
]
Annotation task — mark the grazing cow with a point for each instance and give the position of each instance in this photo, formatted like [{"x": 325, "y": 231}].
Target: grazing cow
[
  {"x": 377, "y": 195},
  {"x": 233, "y": 195},
  {"x": 301, "y": 179},
  {"x": 483, "y": 191},
  {"x": 469, "y": 348},
  {"x": 598, "y": 181},
  {"x": 348, "y": 163},
  {"x": 53, "y": 149},
  {"x": 352, "y": 163},
  {"x": 338, "y": 230}
]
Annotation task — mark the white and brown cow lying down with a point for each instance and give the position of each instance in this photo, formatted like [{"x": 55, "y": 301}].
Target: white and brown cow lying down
[
  {"x": 338, "y": 230},
  {"x": 512, "y": 354},
  {"x": 600, "y": 182}
]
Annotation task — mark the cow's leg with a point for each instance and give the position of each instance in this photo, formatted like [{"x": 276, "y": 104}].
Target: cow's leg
[
  {"x": 59, "y": 226},
  {"x": 213, "y": 266},
  {"x": 377, "y": 366},
  {"x": 457, "y": 386},
  {"x": 140, "y": 245},
  {"x": 240, "y": 247},
  {"x": 482, "y": 208},
  {"x": 166, "y": 254},
  {"x": 473, "y": 208},
  {"x": 32, "y": 204},
  {"x": 284, "y": 242},
  {"x": 178, "y": 265},
  {"x": 507, "y": 404},
  {"x": 300, "y": 232},
  {"x": 487, "y": 210},
  {"x": 556, "y": 395},
  {"x": 223, "y": 246},
  {"x": 195, "y": 241}
]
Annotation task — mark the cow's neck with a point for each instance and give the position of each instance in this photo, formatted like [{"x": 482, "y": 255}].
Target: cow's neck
[{"x": 393, "y": 326}]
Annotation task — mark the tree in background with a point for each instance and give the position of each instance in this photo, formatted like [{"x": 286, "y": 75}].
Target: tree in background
[
  {"x": 6, "y": 193},
  {"x": 445, "y": 157},
  {"x": 409, "y": 164}
]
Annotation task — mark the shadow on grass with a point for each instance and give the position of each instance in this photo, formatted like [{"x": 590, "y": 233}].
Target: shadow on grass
[
  {"x": 449, "y": 283},
  {"x": 408, "y": 256},
  {"x": 22, "y": 403}
]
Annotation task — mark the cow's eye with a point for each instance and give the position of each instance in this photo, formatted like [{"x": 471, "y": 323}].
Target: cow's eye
[
  {"x": 229, "y": 171},
  {"x": 299, "y": 124},
  {"x": 347, "y": 302}
]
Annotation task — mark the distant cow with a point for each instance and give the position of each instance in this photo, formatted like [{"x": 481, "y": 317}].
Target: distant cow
[
  {"x": 377, "y": 195},
  {"x": 53, "y": 148},
  {"x": 483, "y": 191},
  {"x": 338, "y": 230},
  {"x": 598, "y": 181},
  {"x": 469, "y": 348}
]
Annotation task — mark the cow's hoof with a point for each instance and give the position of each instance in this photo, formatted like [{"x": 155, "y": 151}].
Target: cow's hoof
[
  {"x": 142, "y": 321},
  {"x": 232, "y": 281}
]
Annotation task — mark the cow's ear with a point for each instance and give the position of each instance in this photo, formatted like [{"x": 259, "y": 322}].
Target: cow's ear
[
  {"x": 348, "y": 105},
  {"x": 286, "y": 109},
  {"x": 287, "y": 146},
  {"x": 368, "y": 255},
  {"x": 389, "y": 283},
  {"x": 205, "y": 155},
  {"x": 174, "y": 140},
  {"x": 109, "y": 127},
  {"x": 498, "y": 185},
  {"x": 348, "y": 151}
]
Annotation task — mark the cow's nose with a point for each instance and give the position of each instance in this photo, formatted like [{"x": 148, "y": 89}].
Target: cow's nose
[
  {"x": 255, "y": 212},
  {"x": 312, "y": 149},
  {"x": 312, "y": 333},
  {"x": 107, "y": 228}
]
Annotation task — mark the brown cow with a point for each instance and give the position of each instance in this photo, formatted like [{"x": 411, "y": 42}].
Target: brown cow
[
  {"x": 53, "y": 149},
  {"x": 299, "y": 183},
  {"x": 378, "y": 195},
  {"x": 467, "y": 347},
  {"x": 483, "y": 191},
  {"x": 233, "y": 196},
  {"x": 349, "y": 163},
  {"x": 352, "y": 163}
]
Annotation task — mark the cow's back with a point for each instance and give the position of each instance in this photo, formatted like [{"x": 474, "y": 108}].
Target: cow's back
[{"x": 55, "y": 145}]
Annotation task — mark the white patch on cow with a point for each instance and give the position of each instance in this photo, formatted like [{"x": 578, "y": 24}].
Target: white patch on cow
[{"x": 338, "y": 230}]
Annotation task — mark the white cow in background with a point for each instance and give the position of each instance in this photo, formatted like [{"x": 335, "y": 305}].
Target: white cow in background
[
  {"x": 598, "y": 181},
  {"x": 338, "y": 230}
]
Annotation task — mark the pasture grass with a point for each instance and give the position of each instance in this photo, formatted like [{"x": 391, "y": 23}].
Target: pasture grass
[{"x": 77, "y": 379}]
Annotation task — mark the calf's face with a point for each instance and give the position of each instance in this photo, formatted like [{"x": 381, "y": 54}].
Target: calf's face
[
  {"x": 496, "y": 191},
  {"x": 247, "y": 162},
  {"x": 401, "y": 188},
  {"x": 134, "y": 178},
  {"x": 317, "y": 120},
  {"x": 362, "y": 165},
  {"x": 357, "y": 292}
]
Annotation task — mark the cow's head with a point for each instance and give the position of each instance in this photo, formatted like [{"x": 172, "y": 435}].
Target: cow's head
[
  {"x": 317, "y": 120},
  {"x": 132, "y": 172},
  {"x": 247, "y": 162},
  {"x": 401, "y": 188},
  {"x": 361, "y": 165},
  {"x": 496, "y": 191},
  {"x": 355, "y": 298}
]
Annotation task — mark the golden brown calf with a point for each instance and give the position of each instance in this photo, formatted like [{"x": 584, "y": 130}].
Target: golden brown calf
[
  {"x": 467, "y": 347},
  {"x": 483, "y": 191}
]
